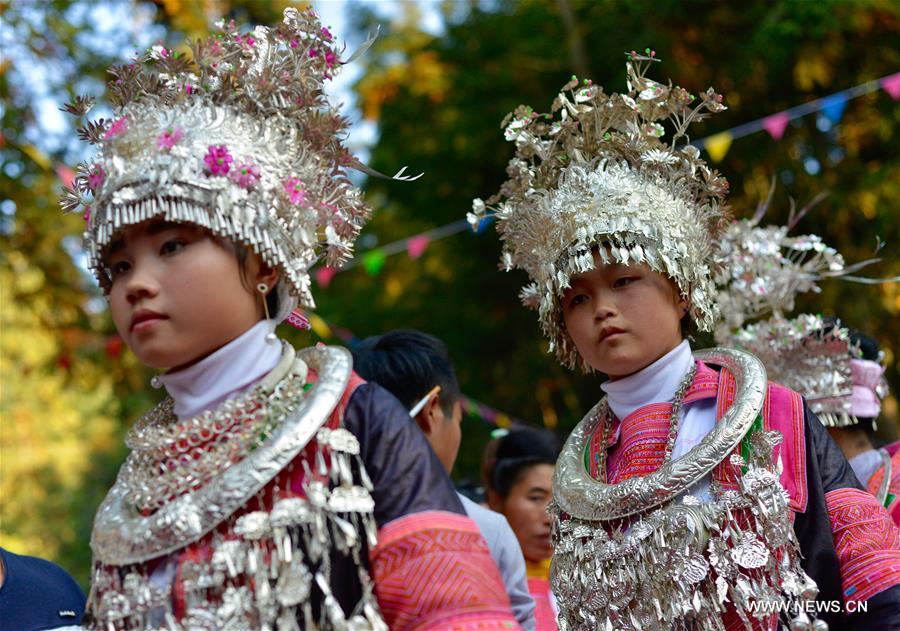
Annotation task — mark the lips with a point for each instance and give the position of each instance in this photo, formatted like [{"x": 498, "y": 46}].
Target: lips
[
  {"x": 144, "y": 318},
  {"x": 609, "y": 331}
]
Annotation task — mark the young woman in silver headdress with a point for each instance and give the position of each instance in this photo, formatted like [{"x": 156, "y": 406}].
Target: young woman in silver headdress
[
  {"x": 694, "y": 494},
  {"x": 272, "y": 488},
  {"x": 838, "y": 370}
]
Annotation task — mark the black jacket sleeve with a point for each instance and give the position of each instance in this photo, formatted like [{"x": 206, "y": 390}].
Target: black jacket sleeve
[{"x": 407, "y": 475}]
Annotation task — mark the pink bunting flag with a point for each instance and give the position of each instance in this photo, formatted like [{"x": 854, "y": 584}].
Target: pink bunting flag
[
  {"x": 65, "y": 174},
  {"x": 891, "y": 85},
  {"x": 776, "y": 124},
  {"x": 324, "y": 276},
  {"x": 416, "y": 246}
]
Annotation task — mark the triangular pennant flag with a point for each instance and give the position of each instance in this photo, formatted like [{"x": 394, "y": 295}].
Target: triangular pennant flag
[
  {"x": 833, "y": 107},
  {"x": 345, "y": 334},
  {"x": 39, "y": 157},
  {"x": 373, "y": 261},
  {"x": 484, "y": 223},
  {"x": 718, "y": 145},
  {"x": 776, "y": 124},
  {"x": 319, "y": 326},
  {"x": 65, "y": 175},
  {"x": 324, "y": 276},
  {"x": 416, "y": 245},
  {"x": 891, "y": 85}
]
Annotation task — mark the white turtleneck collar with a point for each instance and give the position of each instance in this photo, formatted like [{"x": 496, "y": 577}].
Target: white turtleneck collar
[
  {"x": 236, "y": 366},
  {"x": 657, "y": 383}
]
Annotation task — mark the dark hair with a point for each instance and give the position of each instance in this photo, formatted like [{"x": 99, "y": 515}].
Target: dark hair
[
  {"x": 408, "y": 363},
  {"x": 241, "y": 252},
  {"x": 517, "y": 452}
]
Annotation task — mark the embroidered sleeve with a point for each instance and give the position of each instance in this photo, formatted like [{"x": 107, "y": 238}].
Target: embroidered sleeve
[
  {"x": 433, "y": 570},
  {"x": 866, "y": 541}
]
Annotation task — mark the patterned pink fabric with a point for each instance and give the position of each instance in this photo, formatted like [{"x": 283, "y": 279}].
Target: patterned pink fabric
[
  {"x": 642, "y": 435},
  {"x": 433, "y": 570},
  {"x": 782, "y": 411},
  {"x": 893, "y": 501},
  {"x": 866, "y": 541},
  {"x": 544, "y": 613}
]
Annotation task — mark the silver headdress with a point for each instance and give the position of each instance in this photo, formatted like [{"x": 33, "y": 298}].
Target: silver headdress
[
  {"x": 761, "y": 271},
  {"x": 237, "y": 137},
  {"x": 595, "y": 171}
]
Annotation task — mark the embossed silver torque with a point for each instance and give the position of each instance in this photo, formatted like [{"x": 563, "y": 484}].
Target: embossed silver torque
[{"x": 582, "y": 497}]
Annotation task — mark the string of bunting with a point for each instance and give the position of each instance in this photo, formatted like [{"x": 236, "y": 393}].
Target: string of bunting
[
  {"x": 717, "y": 145},
  {"x": 472, "y": 407}
]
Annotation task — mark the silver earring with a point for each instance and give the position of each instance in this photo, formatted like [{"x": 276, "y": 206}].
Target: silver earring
[
  {"x": 263, "y": 289},
  {"x": 156, "y": 382}
]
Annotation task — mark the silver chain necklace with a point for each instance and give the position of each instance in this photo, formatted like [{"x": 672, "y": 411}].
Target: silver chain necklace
[
  {"x": 632, "y": 556},
  {"x": 605, "y": 418}
]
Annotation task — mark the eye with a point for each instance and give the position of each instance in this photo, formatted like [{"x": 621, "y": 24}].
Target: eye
[
  {"x": 118, "y": 268},
  {"x": 577, "y": 299},
  {"x": 172, "y": 246},
  {"x": 623, "y": 281}
]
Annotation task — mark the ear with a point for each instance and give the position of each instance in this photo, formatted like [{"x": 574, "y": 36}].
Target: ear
[
  {"x": 428, "y": 417},
  {"x": 268, "y": 275},
  {"x": 682, "y": 302},
  {"x": 494, "y": 501}
]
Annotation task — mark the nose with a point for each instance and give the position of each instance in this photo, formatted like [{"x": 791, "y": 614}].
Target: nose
[
  {"x": 604, "y": 306},
  {"x": 142, "y": 283}
]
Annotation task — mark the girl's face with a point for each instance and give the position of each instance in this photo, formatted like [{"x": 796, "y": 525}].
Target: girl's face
[
  {"x": 623, "y": 318},
  {"x": 177, "y": 294},
  {"x": 525, "y": 508}
]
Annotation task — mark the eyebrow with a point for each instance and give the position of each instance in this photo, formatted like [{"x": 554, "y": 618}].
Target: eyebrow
[
  {"x": 538, "y": 489},
  {"x": 154, "y": 228}
]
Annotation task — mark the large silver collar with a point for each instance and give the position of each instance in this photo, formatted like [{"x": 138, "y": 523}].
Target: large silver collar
[
  {"x": 122, "y": 536},
  {"x": 580, "y": 496}
]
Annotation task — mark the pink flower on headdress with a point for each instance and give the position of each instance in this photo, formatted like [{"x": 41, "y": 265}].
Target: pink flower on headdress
[
  {"x": 169, "y": 138},
  {"x": 87, "y": 213},
  {"x": 218, "y": 160},
  {"x": 96, "y": 177},
  {"x": 295, "y": 191},
  {"x": 330, "y": 58},
  {"x": 313, "y": 52},
  {"x": 246, "y": 41},
  {"x": 118, "y": 126},
  {"x": 326, "y": 34},
  {"x": 245, "y": 174}
]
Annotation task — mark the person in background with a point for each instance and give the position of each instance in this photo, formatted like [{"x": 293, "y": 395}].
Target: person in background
[
  {"x": 37, "y": 594},
  {"x": 521, "y": 480},
  {"x": 854, "y": 431},
  {"x": 417, "y": 369}
]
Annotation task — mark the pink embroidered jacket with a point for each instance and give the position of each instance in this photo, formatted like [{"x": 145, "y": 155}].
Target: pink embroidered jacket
[{"x": 849, "y": 543}]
